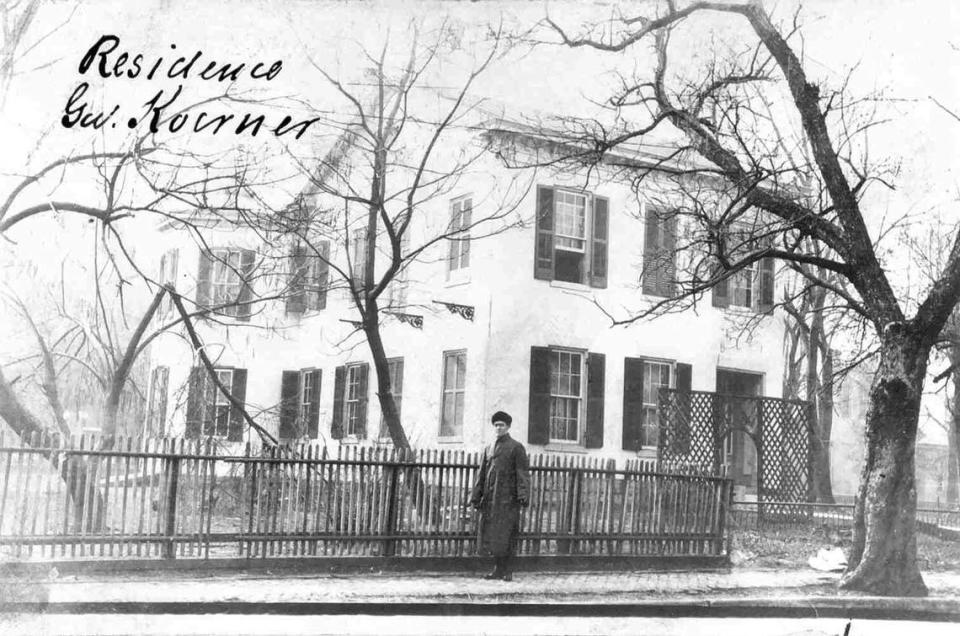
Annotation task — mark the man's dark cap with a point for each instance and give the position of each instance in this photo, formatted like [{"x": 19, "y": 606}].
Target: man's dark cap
[{"x": 500, "y": 416}]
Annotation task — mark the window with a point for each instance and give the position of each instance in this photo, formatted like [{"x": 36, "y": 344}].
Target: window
[
  {"x": 659, "y": 252},
  {"x": 395, "y": 366},
  {"x": 350, "y": 401},
  {"x": 566, "y": 396},
  {"x": 571, "y": 237},
  {"x": 461, "y": 218},
  {"x": 157, "y": 406},
  {"x": 309, "y": 274},
  {"x": 359, "y": 257},
  {"x": 168, "y": 276},
  {"x": 397, "y": 289},
  {"x": 224, "y": 281},
  {"x": 454, "y": 393},
  {"x": 566, "y": 393},
  {"x": 753, "y": 286},
  {"x": 209, "y": 410},
  {"x": 656, "y": 376},
  {"x": 300, "y": 404}
]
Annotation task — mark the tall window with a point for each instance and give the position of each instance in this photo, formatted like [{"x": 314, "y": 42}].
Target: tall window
[
  {"x": 753, "y": 286},
  {"x": 309, "y": 273},
  {"x": 566, "y": 395},
  {"x": 571, "y": 237},
  {"x": 354, "y": 400},
  {"x": 397, "y": 290},
  {"x": 308, "y": 395},
  {"x": 461, "y": 217},
  {"x": 219, "y": 424},
  {"x": 454, "y": 393},
  {"x": 395, "y": 365},
  {"x": 359, "y": 257},
  {"x": 656, "y": 376},
  {"x": 169, "y": 263},
  {"x": 743, "y": 286},
  {"x": 225, "y": 282}
]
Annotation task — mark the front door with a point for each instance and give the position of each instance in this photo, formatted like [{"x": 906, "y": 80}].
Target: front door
[{"x": 735, "y": 389}]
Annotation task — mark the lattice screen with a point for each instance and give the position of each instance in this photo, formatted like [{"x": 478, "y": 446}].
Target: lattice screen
[{"x": 693, "y": 425}]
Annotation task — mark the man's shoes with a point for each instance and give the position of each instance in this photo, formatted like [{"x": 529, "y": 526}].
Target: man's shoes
[
  {"x": 493, "y": 576},
  {"x": 506, "y": 576}
]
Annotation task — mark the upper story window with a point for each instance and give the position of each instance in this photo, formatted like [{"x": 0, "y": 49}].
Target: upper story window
[
  {"x": 309, "y": 277},
  {"x": 571, "y": 236},
  {"x": 223, "y": 281},
  {"x": 169, "y": 264},
  {"x": 751, "y": 287},
  {"x": 461, "y": 218},
  {"x": 659, "y": 252},
  {"x": 358, "y": 257}
]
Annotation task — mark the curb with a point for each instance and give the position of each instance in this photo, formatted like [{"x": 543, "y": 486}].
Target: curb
[{"x": 862, "y": 608}]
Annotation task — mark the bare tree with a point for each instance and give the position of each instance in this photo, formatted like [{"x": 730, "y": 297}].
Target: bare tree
[{"x": 768, "y": 207}]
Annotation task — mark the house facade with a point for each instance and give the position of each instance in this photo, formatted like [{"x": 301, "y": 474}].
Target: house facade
[{"x": 515, "y": 317}]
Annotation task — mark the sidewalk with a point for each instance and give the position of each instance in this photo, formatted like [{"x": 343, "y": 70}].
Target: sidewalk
[{"x": 278, "y": 587}]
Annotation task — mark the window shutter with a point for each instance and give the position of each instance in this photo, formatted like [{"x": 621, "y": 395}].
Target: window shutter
[
  {"x": 596, "y": 370},
  {"x": 208, "y": 410},
  {"x": 651, "y": 245},
  {"x": 684, "y": 383},
  {"x": 239, "y": 393},
  {"x": 543, "y": 252},
  {"x": 195, "y": 403},
  {"x": 296, "y": 295},
  {"x": 721, "y": 295},
  {"x": 323, "y": 274},
  {"x": 598, "y": 245},
  {"x": 668, "y": 257},
  {"x": 339, "y": 386},
  {"x": 362, "y": 404},
  {"x": 313, "y": 421},
  {"x": 539, "y": 414},
  {"x": 289, "y": 404},
  {"x": 453, "y": 251},
  {"x": 767, "y": 269},
  {"x": 203, "y": 279},
  {"x": 632, "y": 403},
  {"x": 173, "y": 262},
  {"x": 247, "y": 260}
]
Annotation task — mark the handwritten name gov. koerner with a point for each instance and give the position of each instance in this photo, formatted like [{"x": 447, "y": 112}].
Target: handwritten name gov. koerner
[{"x": 108, "y": 63}]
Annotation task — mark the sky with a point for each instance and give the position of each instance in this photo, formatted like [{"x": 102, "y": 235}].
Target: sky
[{"x": 889, "y": 45}]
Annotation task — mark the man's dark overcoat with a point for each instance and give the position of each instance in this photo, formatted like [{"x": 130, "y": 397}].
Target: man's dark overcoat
[{"x": 503, "y": 480}]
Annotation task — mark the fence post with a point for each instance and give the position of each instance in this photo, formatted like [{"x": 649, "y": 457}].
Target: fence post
[
  {"x": 390, "y": 544},
  {"x": 571, "y": 522},
  {"x": 173, "y": 477}
]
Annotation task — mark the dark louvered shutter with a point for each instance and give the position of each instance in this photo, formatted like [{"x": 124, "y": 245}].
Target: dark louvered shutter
[
  {"x": 313, "y": 416},
  {"x": 203, "y": 279},
  {"x": 539, "y": 413},
  {"x": 289, "y": 404},
  {"x": 239, "y": 393},
  {"x": 296, "y": 295},
  {"x": 323, "y": 274},
  {"x": 195, "y": 402},
  {"x": 682, "y": 430},
  {"x": 362, "y": 373},
  {"x": 599, "y": 243},
  {"x": 339, "y": 386},
  {"x": 596, "y": 372},
  {"x": 543, "y": 252},
  {"x": 247, "y": 260},
  {"x": 668, "y": 258},
  {"x": 721, "y": 295},
  {"x": 632, "y": 403},
  {"x": 651, "y": 248},
  {"x": 767, "y": 268}
]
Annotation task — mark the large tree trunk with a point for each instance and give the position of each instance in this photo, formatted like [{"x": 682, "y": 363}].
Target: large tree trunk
[
  {"x": 388, "y": 405},
  {"x": 953, "y": 433},
  {"x": 822, "y": 483},
  {"x": 883, "y": 558}
]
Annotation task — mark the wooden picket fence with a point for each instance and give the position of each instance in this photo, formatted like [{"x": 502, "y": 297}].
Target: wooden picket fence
[{"x": 175, "y": 498}]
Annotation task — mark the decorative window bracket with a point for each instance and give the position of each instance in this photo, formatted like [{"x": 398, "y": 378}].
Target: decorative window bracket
[
  {"x": 411, "y": 319},
  {"x": 464, "y": 311}
]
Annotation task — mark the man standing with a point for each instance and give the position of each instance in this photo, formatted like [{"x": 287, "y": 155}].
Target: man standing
[{"x": 501, "y": 489}]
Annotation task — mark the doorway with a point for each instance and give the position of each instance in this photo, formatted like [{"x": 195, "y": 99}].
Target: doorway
[{"x": 739, "y": 419}]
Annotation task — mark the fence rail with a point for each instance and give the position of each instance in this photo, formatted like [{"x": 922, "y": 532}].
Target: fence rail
[
  {"x": 838, "y": 516},
  {"x": 172, "y": 498}
]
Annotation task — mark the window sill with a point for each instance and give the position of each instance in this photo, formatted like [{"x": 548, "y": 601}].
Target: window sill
[
  {"x": 449, "y": 440},
  {"x": 560, "y": 447},
  {"x": 457, "y": 281},
  {"x": 577, "y": 287}
]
